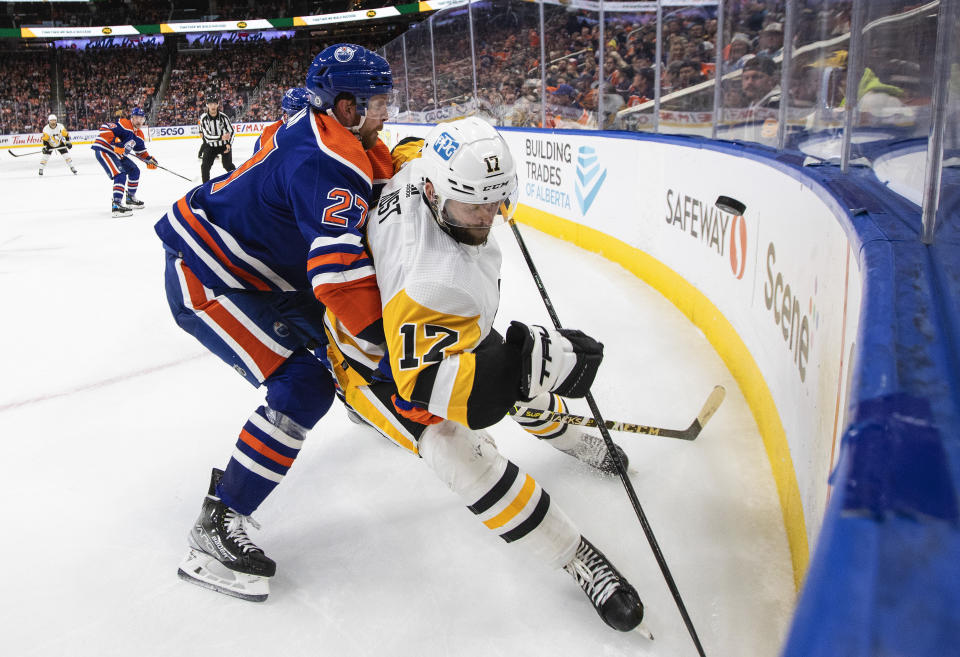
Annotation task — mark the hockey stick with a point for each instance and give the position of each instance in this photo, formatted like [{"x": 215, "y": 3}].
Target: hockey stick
[
  {"x": 23, "y": 154},
  {"x": 690, "y": 433},
  {"x": 608, "y": 441},
  {"x": 173, "y": 172}
]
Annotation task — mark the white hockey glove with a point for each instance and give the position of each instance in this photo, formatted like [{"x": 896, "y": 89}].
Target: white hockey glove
[{"x": 564, "y": 361}]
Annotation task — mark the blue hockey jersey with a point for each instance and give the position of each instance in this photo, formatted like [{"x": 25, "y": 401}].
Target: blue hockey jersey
[
  {"x": 121, "y": 135},
  {"x": 290, "y": 218}
]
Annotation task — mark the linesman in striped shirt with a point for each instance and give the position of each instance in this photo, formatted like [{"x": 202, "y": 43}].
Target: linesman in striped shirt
[{"x": 217, "y": 132}]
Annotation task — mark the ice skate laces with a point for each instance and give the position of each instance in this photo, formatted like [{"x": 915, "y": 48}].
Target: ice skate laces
[
  {"x": 237, "y": 531},
  {"x": 593, "y": 574}
]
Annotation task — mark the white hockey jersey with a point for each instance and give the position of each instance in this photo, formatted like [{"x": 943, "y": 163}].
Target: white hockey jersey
[
  {"x": 55, "y": 137},
  {"x": 439, "y": 301}
]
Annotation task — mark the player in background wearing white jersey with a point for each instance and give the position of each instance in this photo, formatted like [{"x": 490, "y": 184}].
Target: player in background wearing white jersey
[
  {"x": 450, "y": 374},
  {"x": 56, "y": 138}
]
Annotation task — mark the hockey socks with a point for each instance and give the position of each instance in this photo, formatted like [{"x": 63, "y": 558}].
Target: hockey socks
[
  {"x": 505, "y": 499},
  {"x": 264, "y": 453}
]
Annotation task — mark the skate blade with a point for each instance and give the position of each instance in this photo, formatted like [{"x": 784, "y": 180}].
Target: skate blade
[
  {"x": 203, "y": 570},
  {"x": 642, "y": 629}
]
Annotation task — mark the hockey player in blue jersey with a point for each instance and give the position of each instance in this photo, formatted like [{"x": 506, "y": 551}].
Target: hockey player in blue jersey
[
  {"x": 115, "y": 142},
  {"x": 294, "y": 100},
  {"x": 253, "y": 259}
]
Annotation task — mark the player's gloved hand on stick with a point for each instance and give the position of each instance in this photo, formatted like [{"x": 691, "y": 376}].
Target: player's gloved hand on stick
[
  {"x": 69, "y": 145},
  {"x": 151, "y": 162},
  {"x": 119, "y": 150},
  {"x": 564, "y": 361},
  {"x": 47, "y": 149}
]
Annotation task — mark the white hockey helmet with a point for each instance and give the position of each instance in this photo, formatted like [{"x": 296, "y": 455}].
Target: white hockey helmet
[
  {"x": 51, "y": 118},
  {"x": 467, "y": 161}
]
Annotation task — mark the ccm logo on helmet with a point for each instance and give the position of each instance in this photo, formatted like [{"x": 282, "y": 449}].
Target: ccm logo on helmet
[
  {"x": 497, "y": 186},
  {"x": 343, "y": 54},
  {"x": 445, "y": 146}
]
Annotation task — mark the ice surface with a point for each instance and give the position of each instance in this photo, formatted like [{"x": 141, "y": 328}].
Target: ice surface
[{"x": 111, "y": 418}]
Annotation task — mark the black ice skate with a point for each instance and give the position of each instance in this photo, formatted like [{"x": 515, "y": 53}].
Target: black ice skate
[
  {"x": 118, "y": 210},
  {"x": 222, "y": 557},
  {"x": 611, "y": 594},
  {"x": 41, "y": 172},
  {"x": 589, "y": 449},
  {"x": 134, "y": 203},
  {"x": 74, "y": 170}
]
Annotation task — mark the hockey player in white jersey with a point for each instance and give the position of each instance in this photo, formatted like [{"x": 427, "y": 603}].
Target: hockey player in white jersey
[
  {"x": 56, "y": 138},
  {"x": 450, "y": 373}
]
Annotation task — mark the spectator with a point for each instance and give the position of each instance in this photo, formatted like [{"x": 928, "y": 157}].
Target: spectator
[
  {"x": 770, "y": 41},
  {"x": 760, "y": 84},
  {"x": 736, "y": 51}
]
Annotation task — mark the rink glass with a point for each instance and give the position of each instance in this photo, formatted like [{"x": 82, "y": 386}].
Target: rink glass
[{"x": 503, "y": 60}]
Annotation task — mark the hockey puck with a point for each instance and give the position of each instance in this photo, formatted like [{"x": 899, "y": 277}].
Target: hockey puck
[{"x": 731, "y": 205}]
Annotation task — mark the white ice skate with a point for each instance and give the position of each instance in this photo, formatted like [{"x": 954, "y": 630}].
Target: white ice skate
[
  {"x": 204, "y": 570},
  {"x": 222, "y": 557}
]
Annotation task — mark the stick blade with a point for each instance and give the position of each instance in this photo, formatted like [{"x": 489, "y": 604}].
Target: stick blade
[{"x": 712, "y": 404}]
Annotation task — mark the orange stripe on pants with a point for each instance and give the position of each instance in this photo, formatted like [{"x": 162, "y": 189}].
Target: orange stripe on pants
[
  {"x": 191, "y": 219},
  {"x": 266, "y": 359}
]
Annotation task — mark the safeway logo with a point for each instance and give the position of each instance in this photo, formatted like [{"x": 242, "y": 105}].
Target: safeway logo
[
  {"x": 738, "y": 246},
  {"x": 590, "y": 177}
]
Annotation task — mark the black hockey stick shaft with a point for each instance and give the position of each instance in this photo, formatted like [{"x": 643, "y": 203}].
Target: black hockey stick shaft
[
  {"x": 631, "y": 493},
  {"x": 173, "y": 172},
  {"x": 24, "y": 154},
  {"x": 690, "y": 433}
]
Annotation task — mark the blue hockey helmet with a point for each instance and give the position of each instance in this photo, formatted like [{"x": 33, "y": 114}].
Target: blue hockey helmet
[
  {"x": 295, "y": 100},
  {"x": 347, "y": 68},
  {"x": 136, "y": 111}
]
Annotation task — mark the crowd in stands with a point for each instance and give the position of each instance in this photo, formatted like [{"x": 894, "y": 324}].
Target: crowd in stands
[
  {"x": 75, "y": 14},
  {"x": 250, "y": 79},
  {"x": 507, "y": 44},
  {"x": 24, "y": 92},
  {"x": 103, "y": 85},
  {"x": 290, "y": 71},
  {"x": 144, "y": 12},
  {"x": 231, "y": 72}
]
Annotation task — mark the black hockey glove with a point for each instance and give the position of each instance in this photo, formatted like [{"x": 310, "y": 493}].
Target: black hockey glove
[
  {"x": 47, "y": 149},
  {"x": 69, "y": 145},
  {"x": 564, "y": 361}
]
